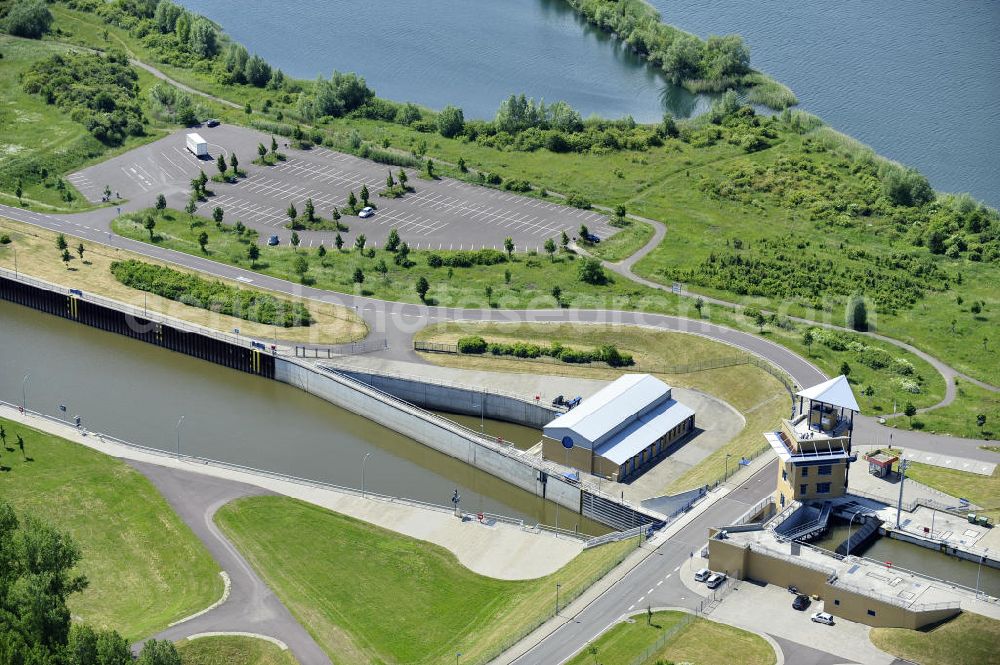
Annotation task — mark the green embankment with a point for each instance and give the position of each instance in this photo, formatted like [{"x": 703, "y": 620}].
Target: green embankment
[
  {"x": 232, "y": 650},
  {"x": 981, "y": 490},
  {"x": 35, "y": 135},
  {"x": 969, "y": 639},
  {"x": 370, "y": 595},
  {"x": 961, "y": 417},
  {"x": 146, "y": 568},
  {"x": 700, "y": 642}
]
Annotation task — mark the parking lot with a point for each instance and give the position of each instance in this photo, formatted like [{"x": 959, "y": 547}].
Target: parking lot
[{"x": 439, "y": 214}]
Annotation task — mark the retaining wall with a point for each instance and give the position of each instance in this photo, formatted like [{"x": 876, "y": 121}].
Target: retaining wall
[
  {"x": 433, "y": 432},
  {"x": 464, "y": 400},
  {"x": 985, "y": 558}
]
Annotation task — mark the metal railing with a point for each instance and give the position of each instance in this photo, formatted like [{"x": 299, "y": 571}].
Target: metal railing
[
  {"x": 893, "y": 600},
  {"x": 662, "y": 640}
]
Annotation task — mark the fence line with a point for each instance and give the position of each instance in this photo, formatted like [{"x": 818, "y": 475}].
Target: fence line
[{"x": 665, "y": 637}]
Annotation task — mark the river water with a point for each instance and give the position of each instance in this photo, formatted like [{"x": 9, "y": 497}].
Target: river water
[
  {"x": 137, "y": 392},
  {"x": 916, "y": 80},
  {"x": 912, "y": 557}
]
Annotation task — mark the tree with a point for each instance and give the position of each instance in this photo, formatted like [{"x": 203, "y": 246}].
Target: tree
[
  {"x": 159, "y": 652},
  {"x": 359, "y": 276},
  {"x": 20, "y": 445},
  {"x": 381, "y": 268},
  {"x": 760, "y": 321},
  {"x": 489, "y": 294},
  {"x": 217, "y": 215},
  {"x": 18, "y": 190},
  {"x": 28, "y": 18},
  {"x": 261, "y": 150},
  {"x": 61, "y": 243},
  {"x": 429, "y": 168},
  {"x": 202, "y": 240},
  {"x": 292, "y": 213},
  {"x": 310, "y": 211},
  {"x": 338, "y": 242},
  {"x": 402, "y": 177},
  {"x": 301, "y": 267},
  {"x": 699, "y": 304},
  {"x": 234, "y": 163},
  {"x": 807, "y": 339},
  {"x": 591, "y": 272},
  {"x": 403, "y": 255},
  {"x": 584, "y": 233},
  {"x": 220, "y": 163},
  {"x": 191, "y": 206},
  {"x": 389, "y": 182},
  {"x": 97, "y": 647},
  {"x": 352, "y": 201},
  {"x": 80, "y": 249},
  {"x": 845, "y": 369},
  {"x": 557, "y": 294},
  {"x": 550, "y": 249},
  {"x": 392, "y": 241},
  {"x": 857, "y": 313},
  {"x": 450, "y": 122},
  {"x": 66, "y": 257},
  {"x": 359, "y": 242},
  {"x": 161, "y": 202},
  {"x": 564, "y": 240},
  {"x": 364, "y": 195},
  {"x": 253, "y": 253},
  {"x": 321, "y": 251},
  {"x": 461, "y": 165},
  {"x": 981, "y": 420},
  {"x": 668, "y": 127},
  {"x": 508, "y": 245},
  {"x": 976, "y": 307},
  {"x": 274, "y": 146},
  {"x": 204, "y": 40},
  {"x": 295, "y": 240},
  {"x": 423, "y": 286},
  {"x": 335, "y": 214}
]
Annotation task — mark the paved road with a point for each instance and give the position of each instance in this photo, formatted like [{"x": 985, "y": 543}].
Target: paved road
[
  {"x": 251, "y": 606},
  {"x": 395, "y": 324},
  {"x": 656, "y": 582}
]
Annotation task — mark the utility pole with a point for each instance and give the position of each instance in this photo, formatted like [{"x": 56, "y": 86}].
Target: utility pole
[
  {"x": 177, "y": 429},
  {"x": 902, "y": 476},
  {"x": 363, "y": 460}
]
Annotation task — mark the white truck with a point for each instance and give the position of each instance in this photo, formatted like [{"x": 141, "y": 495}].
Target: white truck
[{"x": 197, "y": 145}]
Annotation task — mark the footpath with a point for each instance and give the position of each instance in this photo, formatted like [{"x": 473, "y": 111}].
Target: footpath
[{"x": 503, "y": 550}]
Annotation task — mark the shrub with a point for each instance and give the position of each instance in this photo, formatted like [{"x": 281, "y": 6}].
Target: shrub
[
  {"x": 4, "y": 239},
  {"x": 578, "y": 201},
  {"x": 213, "y": 295},
  {"x": 591, "y": 272},
  {"x": 28, "y": 18},
  {"x": 473, "y": 344}
]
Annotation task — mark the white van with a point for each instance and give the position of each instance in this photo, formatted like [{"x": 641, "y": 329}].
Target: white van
[{"x": 702, "y": 575}]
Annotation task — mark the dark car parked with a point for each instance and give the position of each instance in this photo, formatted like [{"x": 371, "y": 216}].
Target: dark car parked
[{"x": 801, "y": 602}]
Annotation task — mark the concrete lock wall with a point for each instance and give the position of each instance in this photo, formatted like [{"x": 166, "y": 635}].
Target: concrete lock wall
[
  {"x": 428, "y": 430},
  {"x": 458, "y": 399}
]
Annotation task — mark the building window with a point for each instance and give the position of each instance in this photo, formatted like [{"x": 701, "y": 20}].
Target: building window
[
  {"x": 836, "y": 601},
  {"x": 805, "y": 472},
  {"x": 803, "y": 488},
  {"x": 782, "y": 497},
  {"x": 822, "y": 488},
  {"x": 784, "y": 474},
  {"x": 825, "y": 470},
  {"x": 871, "y": 613}
]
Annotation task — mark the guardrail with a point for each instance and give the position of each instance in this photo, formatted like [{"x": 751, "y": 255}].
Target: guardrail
[{"x": 319, "y": 484}]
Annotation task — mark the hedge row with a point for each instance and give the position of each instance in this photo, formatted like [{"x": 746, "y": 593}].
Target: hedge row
[
  {"x": 212, "y": 295},
  {"x": 467, "y": 259},
  {"x": 607, "y": 353}
]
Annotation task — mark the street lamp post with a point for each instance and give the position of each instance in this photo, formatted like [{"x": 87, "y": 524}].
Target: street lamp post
[
  {"x": 728, "y": 455},
  {"x": 558, "y": 585},
  {"x": 980, "y": 571},
  {"x": 24, "y": 392},
  {"x": 363, "y": 460},
  {"x": 903, "y": 465},
  {"x": 177, "y": 430}
]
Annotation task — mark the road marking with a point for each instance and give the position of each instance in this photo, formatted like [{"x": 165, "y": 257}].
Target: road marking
[
  {"x": 677, "y": 568},
  {"x": 650, "y": 590},
  {"x": 631, "y": 607},
  {"x": 668, "y": 576},
  {"x": 640, "y": 600},
  {"x": 659, "y": 583}
]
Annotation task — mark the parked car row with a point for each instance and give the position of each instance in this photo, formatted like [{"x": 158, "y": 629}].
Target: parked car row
[{"x": 711, "y": 580}]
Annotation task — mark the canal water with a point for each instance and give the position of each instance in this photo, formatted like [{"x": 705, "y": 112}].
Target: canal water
[
  {"x": 915, "y": 80},
  {"x": 913, "y": 557},
  {"x": 138, "y": 392}
]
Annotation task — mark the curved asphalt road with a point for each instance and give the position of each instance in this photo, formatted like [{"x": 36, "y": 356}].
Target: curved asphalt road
[
  {"x": 251, "y": 606},
  {"x": 396, "y": 323}
]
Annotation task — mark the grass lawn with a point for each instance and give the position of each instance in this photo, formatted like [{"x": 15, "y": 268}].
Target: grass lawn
[
  {"x": 981, "y": 490},
  {"x": 968, "y": 639},
  {"x": 146, "y": 568},
  {"x": 369, "y": 595},
  {"x": 63, "y": 146},
  {"x": 232, "y": 650},
  {"x": 753, "y": 392},
  {"x": 37, "y": 256},
  {"x": 623, "y": 244},
  {"x": 959, "y": 417},
  {"x": 701, "y": 642}
]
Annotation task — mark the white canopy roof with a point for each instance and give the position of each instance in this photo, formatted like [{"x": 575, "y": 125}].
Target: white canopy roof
[
  {"x": 645, "y": 430},
  {"x": 836, "y": 392}
]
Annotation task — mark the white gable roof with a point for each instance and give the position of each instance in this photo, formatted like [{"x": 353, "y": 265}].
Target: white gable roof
[
  {"x": 836, "y": 391},
  {"x": 643, "y": 431},
  {"x": 614, "y": 404}
]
